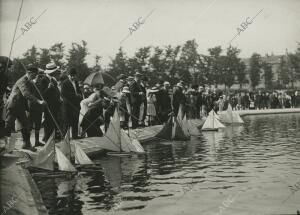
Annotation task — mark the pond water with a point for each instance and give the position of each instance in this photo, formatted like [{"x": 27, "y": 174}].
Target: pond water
[{"x": 248, "y": 169}]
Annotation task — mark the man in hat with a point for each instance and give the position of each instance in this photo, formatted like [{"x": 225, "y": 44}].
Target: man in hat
[
  {"x": 164, "y": 107},
  {"x": 51, "y": 94},
  {"x": 72, "y": 96},
  {"x": 121, "y": 83},
  {"x": 17, "y": 105},
  {"x": 200, "y": 102},
  {"x": 136, "y": 99},
  {"x": 129, "y": 81},
  {"x": 4, "y": 62},
  {"x": 144, "y": 82},
  {"x": 36, "y": 110},
  {"x": 178, "y": 97}
]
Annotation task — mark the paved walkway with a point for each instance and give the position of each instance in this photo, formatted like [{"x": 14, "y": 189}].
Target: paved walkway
[{"x": 268, "y": 111}]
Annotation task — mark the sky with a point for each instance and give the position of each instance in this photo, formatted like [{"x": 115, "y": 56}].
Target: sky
[{"x": 103, "y": 24}]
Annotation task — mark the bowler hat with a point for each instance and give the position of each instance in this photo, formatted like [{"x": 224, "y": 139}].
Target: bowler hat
[
  {"x": 72, "y": 72},
  {"x": 137, "y": 74},
  {"x": 33, "y": 69}
]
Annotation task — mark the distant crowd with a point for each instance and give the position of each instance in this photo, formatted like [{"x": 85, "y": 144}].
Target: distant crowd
[{"x": 57, "y": 102}]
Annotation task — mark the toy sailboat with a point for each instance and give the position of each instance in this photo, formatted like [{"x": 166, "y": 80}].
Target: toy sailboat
[
  {"x": 212, "y": 122},
  {"x": 231, "y": 117},
  {"x": 174, "y": 129},
  {"x": 183, "y": 122},
  {"x": 81, "y": 157},
  {"x": 46, "y": 157},
  {"x": 125, "y": 144}
]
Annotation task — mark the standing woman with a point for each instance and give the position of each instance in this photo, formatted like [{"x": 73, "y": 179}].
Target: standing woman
[
  {"x": 124, "y": 107},
  {"x": 151, "y": 103},
  {"x": 251, "y": 101}
]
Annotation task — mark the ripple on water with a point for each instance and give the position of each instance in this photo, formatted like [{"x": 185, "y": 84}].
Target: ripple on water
[{"x": 259, "y": 160}]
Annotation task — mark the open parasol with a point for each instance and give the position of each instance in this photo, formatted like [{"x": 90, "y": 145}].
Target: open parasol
[{"x": 94, "y": 79}]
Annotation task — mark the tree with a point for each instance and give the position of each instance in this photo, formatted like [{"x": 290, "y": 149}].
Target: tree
[
  {"x": 268, "y": 75},
  {"x": 140, "y": 62},
  {"x": 215, "y": 66},
  {"x": 283, "y": 72},
  {"x": 188, "y": 62},
  {"x": 171, "y": 62},
  {"x": 31, "y": 57},
  {"x": 254, "y": 70},
  {"x": 241, "y": 73},
  {"x": 157, "y": 65},
  {"x": 57, "y": 54},
  {"x": 231, "y": 66},
  {"x": 118, "y": 65},
  {"x": 76, "y": 59},
  {"x": 45, "y": 58},
  {"x": 294, "y": 66}
]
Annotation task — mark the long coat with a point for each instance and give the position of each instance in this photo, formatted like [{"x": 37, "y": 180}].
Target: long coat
[
  {"x": 71, "y": 99},
  {"x": 135, "y": 89},
  {"x": 22, "y": 92}
]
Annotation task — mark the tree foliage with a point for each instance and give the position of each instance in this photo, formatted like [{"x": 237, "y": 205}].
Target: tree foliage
[
  {"x": 268, "y": 75},
  {"x": 254, "y": 71},
  {"x": 168, "y": 63},
  {"x": 76, "y": 59}
]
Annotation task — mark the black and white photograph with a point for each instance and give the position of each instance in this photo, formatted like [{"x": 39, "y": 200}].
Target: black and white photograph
[{"x": 149, "y": 107}]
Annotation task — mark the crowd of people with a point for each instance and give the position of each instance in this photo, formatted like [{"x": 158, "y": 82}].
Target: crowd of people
[{"x": 56, "y": 101}]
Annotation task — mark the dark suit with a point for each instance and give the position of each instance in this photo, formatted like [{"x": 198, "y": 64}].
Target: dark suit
[
  {"x": 71, "y": 104},
  {"x": 136, "y": 101},
  {"x": 144, "y": 100},
  {"x": 164, "y": 105},
  {"x": 178, "y": 99},
  {"x": 51, "y": 95},
  {"x": 36, "y": 110},
  {"x": 17, "y": 104}
]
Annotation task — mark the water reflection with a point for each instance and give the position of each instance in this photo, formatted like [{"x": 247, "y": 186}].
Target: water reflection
[{"x": 259, "y": 160}]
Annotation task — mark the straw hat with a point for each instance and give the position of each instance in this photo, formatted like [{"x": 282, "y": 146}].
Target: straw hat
[
  {"x": 153, "y": 90},
  {"x": 179, "y": 84},
  {"x": 50, "y": 68},
  {"x": 125, "y": 90},
  {"x": 166, "y": 83}
]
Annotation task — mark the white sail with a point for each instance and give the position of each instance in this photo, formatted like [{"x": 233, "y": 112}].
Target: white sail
[
  {"x": 236, "y": 118},
  {"x": 212, "y": 122},
  {"x": 65, "y": 146},
  {"x": 173, "y": 128},
  {"x": 63, "y": 163},
  {"x": 113, "y": 132},
  {"x": 218, "y": 124},
  {"x": 182, "y": 121},
  {"x": 230, "y": 116},
  {"x": 45, "y": 157},
  {"x": 180, "y": 113},
  {"x": 192, "y": 128},
  {"x": 130, "y": 144},
  {"x": 213, "y": 113},
  {"x": 120, "y": 139},
  {"x": 209, "y": 123},
  {"x": 80, "y": 156},
  {"x": 185, "y": 126}
]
